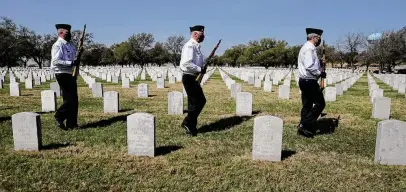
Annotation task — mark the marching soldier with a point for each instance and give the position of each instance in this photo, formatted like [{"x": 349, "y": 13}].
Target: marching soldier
[
  {"x": 309, "y": 72},
  {"x": 62, "y": 62},
  {"x": 191, "y": 64}
]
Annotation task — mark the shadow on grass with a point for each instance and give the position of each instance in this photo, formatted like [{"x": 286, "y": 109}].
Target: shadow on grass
[
  {"x": 27, "y": 94},
  {"x": 55, "y": 146},
  {"x": 105, "y": 122},
  {"x": 223, "y": 124},
  {"x": 41, "y": 113},
  {"x": 5, "y": 119},
  {"x": 6, "y": 108},
  {"x": 124, "y": 110},
  {"x": 326, "y": 125},
  {"x": 255, "y": 112},
  {"x": 151, "y": 96},
  {"x": 287, "y": 153},
  {"x": 163, "y": 150}
]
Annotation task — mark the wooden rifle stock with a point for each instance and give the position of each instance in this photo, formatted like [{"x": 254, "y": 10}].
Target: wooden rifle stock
[
  {"x": 200, "y": 76},
  {"x": 323, "y": 66},
  {"x": 79, "y": 52}
]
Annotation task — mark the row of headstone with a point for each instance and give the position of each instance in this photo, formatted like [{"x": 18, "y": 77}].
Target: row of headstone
[
  {"x": 390, "y": 146},
  {"x": 284, "y": 90},
  {"x": 231, "y": 84},
  {"x": 331, "y": 93},
  {"x": 396, "y": 81},
  {"x": 381, "y": 106}
]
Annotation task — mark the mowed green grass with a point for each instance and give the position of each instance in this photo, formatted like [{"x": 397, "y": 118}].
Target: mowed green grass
[{"x": 219, "y": 159}]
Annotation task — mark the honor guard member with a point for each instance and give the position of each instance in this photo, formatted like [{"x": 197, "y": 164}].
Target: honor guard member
[
  {"x": 62, "y": 62},
  {"x": 191, "y": 64},
  {"x": 309, "y": 73}
]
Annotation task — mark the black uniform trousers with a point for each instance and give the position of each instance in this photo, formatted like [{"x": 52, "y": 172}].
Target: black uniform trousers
[
  {"x": 69, "y": 109},
  {"x": 311, "y": 94},
  {"x": 196, "y": 99}
]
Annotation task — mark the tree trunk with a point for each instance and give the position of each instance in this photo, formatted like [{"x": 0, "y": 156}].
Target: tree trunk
[
  {"x": 389, "y": 68},
  {"x": 381, "y": 66}
]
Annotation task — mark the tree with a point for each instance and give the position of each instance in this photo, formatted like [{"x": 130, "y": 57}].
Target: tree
[
  {"x": 351, "y": 46},
  {"x": 98, "y": 54},
  {"x": 174, "y": 45},
  {"x": 292, "y": 53},
  {"x": 217, "y": 61},
  {"x": 388, "y": 51},
  {"x": 88, "y": 40},
  {"x": 159, "y": 55},
  {"x": 139, "y": 45},
  {"x": 107, "y": 57},
  {"x": 232, "y": 54},
  {"x": 122, "y": 52},
  {"x": 366, "y": 58},
  {"x": 266, "y": 52},
  {"x": 41, "y": 48},
  {"x": 330, "y": 53},
  {"x": 25, "y": 45},
  {"x": 275, "y": 55},
  {"x": 9, "y": 42}
]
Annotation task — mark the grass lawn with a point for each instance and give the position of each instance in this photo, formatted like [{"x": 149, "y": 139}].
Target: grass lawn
[{"x": 95, "y": 158}]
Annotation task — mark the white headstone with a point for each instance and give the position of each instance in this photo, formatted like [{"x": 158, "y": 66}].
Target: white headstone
[
  {"x": 235, "y": 88},
  {"x": 251, "y": 80},
  {"x": 402, "y": 88},
  {"x": 125, "y": 83},
  {"x": 14, "y": 89},
  {"x": 160, "y": 83},
  {"x": 141, "y": 134},
  {"x": 258, "y": 83},
  {"x": 267, "y": 86},
  {"x": 330, "y": 94},
  {"x": 267, "y": 141},
  {"x": 391, "y": 143},
  {"x": 111, "y": 102},
  {"x": 142, "y": 90},
  {"x": 284, "y": 92},
  {"x": 114, "y": 79},
  {"x": 381, "y": 108},
  {"x": 175, "y": 103},
  {"x": 28, "y": 83},
  {"x": 97, "y": 90},
  {"x": 339, "y": 89},
  {"x": 48, "y": 100},
  {"x": 37, "y": 81},
  {"x": 55, "y": 87},
  {"x": 376, "y": 93},
  {"x": 244, "y": 104},
  {"x": 26, "y": 131}
]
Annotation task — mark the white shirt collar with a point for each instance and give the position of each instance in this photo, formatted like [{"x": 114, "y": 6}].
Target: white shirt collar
[
  {"x": 63, "y": 40},
  {"x": 311, "y": 45},
  {"x": 194, "y": 41}
]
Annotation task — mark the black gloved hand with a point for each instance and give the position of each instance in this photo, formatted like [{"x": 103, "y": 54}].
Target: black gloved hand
[
  {"x": 323, "y": 75},
  {"x": 203, "y": 71}
]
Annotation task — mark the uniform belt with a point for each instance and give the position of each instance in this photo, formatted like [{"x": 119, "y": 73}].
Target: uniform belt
[{"x": 189, "y": 73}]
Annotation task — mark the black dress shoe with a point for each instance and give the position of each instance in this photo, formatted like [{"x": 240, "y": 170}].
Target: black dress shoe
[
  {"x": 59, "y": 123},
  {"x": 304, "y": 132},
  {"x": 189, "y": 131}
]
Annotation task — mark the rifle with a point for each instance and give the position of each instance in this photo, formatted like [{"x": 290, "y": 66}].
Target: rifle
[
  {"x": 79, "y": 52},
  {"x": 200, "y": 76},
  {"x": 323, "y": 66}
]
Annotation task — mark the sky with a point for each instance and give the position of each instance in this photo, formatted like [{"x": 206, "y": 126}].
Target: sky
[{"x": 235, "y": 22}]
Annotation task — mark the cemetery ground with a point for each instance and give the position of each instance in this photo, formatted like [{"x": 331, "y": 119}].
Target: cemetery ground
[{"x": 94, "y": 157}]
